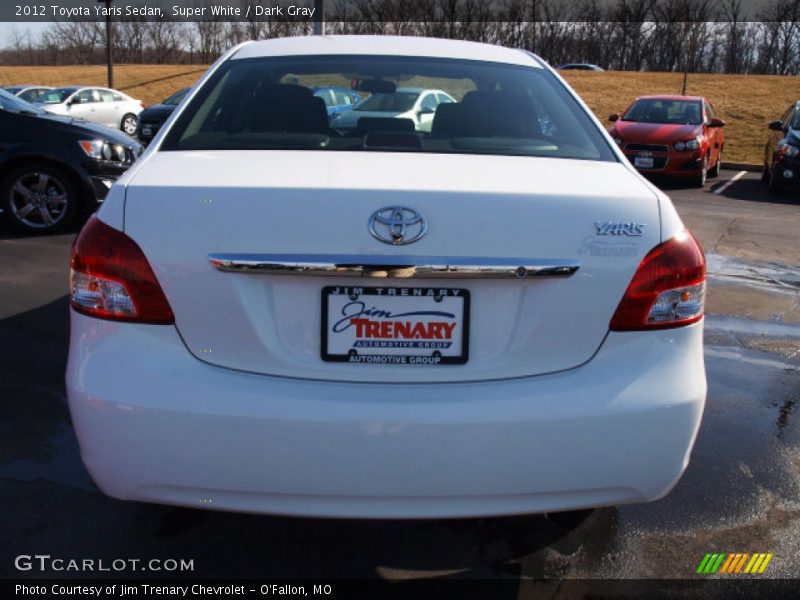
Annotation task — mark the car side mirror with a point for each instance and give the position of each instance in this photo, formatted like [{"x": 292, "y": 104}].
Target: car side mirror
[
  {"x": 73, "y": 101},
  {"x": 776, "y": 126},
  {"x": 716, "y": 123},
  {"x": 613, "y": 117},
  {"x": 426, "y": 111}
]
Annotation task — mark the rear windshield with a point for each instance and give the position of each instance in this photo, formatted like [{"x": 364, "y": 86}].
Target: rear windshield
[
  {"x": 407, "y": 104},
  {"x": 176, "y": 98}
]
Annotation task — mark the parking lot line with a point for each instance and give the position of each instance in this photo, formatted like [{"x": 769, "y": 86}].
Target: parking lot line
[{"x": 730, "y": 182}]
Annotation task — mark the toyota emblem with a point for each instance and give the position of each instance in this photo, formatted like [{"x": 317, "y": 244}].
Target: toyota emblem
[{"x": 397, "y": 225}]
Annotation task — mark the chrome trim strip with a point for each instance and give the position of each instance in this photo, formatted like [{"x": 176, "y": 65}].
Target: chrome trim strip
[{"x": 399, "y": 267}]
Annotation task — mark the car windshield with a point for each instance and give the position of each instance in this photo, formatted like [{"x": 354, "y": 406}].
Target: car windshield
[
  {"x": 176, "y": 98},
  {"x": 677, "y": 112},
  {"x": 56, "y": 96},
  {"x": 398, "y": 102},
  {"x": 10, "y": 103},
  {"x": 478, "y": 107},
  {"x": 795, "y": 124},
  {"x": 13, "y": 90}
]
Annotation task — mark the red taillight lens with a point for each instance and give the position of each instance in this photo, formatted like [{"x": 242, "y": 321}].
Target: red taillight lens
[
  {"x": 111, "y": 278},
  {"x": 668, "y": 288}
]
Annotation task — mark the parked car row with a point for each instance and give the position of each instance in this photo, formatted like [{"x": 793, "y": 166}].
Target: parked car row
[{"x": 676, "y": 136}]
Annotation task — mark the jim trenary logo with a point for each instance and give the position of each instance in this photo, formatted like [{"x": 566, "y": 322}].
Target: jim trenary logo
[{"x": 735, "y": 563}]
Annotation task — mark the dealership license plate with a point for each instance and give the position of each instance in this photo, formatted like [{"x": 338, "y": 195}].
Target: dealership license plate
[
  {"x": 395, "y": 325},
  {"x": 643, "y": 162}
]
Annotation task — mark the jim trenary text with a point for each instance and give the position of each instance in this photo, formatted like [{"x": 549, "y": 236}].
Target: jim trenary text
[{"x": 181, "y": 591}]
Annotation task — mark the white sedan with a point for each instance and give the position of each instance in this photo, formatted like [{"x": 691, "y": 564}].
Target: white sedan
[
  {"x": 492, "y": 318},
  {"x": 100, "y": 105},
  {"x": 416, "y": 105}
]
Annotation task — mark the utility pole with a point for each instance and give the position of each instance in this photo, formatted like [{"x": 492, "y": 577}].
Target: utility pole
[
  {"x": 319, "y": 17},
  {"x": 109, "y": 43}
]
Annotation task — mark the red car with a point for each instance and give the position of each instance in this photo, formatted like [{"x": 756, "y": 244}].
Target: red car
[{"x": 678, "y": 136}]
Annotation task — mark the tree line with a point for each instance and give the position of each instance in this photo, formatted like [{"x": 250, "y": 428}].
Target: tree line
[{"x": 709, "y": 36}]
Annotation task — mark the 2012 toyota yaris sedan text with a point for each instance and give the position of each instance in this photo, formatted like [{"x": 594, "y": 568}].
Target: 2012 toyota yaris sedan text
[{"x": 495, "y": 316}]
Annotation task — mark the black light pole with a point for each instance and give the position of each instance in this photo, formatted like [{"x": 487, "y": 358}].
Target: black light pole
[
  {"x": 109, "y": 43},
  {"x": 319, "y": 17}
]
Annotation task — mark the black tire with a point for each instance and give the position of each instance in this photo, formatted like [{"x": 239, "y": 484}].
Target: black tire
[
  {"x": 773, "y": 187},
  {"x": 129, "y": 123},
  {"x": 39, "y": 198},
  {"x": 714, "y": 172},
  {"x": 765, "y": 173},
  {"x": 700, "y": 180}
]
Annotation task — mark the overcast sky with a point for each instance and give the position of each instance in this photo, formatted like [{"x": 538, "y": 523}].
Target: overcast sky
[{"x": 6, "y": 28}]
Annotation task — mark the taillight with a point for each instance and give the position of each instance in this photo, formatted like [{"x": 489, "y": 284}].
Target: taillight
[
  {"x": 668, "y": 288},
  {"x": 111, "y": 279}
]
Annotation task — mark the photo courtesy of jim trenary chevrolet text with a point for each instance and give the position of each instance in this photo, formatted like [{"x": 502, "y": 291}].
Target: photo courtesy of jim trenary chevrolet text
[{"x": 367, "y": 298}]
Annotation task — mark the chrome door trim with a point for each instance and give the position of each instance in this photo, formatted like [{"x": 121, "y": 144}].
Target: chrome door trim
[{"x": 400, "y": 267}]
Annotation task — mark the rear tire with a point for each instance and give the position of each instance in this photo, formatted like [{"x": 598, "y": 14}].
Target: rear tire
[
  {"x": 773, "y": 187},
  {"x": 39, "y": 198},
  {"x": 129, "y": 124}
]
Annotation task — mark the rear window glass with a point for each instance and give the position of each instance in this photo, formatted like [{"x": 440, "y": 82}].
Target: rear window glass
[{"x": 474, "y": 108}]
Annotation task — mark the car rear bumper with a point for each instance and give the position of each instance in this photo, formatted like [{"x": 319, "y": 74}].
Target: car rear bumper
[{"x": 156, "y": 424}]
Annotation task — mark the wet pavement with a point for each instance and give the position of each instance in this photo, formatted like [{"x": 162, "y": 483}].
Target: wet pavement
[{"x": 741, "y": 492}]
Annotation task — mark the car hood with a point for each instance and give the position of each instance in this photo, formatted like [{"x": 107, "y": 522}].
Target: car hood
[
  {"x": 654, "y": 133},
  {"x": 91, "y": 130},
  {"x": 156, "y": 112}
]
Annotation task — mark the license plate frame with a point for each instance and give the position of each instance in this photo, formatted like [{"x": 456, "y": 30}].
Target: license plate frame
[
  {"x": 385, "y": 300},
  {"x": 643, "y": 162}
]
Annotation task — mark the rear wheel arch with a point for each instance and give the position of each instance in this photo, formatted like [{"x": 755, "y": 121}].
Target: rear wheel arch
[{"x": 87, "y": 194}]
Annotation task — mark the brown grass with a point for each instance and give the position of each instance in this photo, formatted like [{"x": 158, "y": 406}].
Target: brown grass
[{"x": 746, "y": 102}]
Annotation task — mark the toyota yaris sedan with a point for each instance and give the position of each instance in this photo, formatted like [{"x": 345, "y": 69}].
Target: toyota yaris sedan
[
  {"x": 676, "y": 136},
  {"x": 489, "y": 318}
]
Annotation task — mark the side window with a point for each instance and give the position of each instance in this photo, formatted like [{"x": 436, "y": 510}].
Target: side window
[
  {"x": 429, "y": 103},
  {"x": 443, "y": 99},
  {"x": 710, "y": 112},
  {"x": 342, "y": 98},
  {"x": 327, "y": 97},
  {"x": 87, "y": 96},
  {"x": 106, "y": 96},
  {"x": 117, "y": 97}
]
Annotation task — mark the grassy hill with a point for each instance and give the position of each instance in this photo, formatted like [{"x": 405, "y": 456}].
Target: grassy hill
[{"x": 746, "y": 102}]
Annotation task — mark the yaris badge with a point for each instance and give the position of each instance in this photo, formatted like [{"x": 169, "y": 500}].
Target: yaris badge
[{"x": 397, "y": 225}]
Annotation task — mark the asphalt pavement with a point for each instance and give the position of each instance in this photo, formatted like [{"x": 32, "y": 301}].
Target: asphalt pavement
[{"x": 739, "y": 494}]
